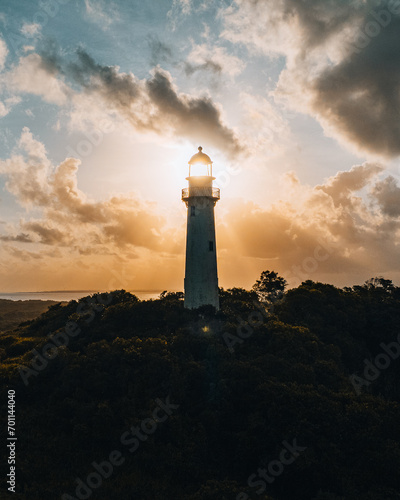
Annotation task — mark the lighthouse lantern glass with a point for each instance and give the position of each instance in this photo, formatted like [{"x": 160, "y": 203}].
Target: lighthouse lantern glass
[
  {"x": 200, "y": 165},
  {"x": 200, "y": 170}
]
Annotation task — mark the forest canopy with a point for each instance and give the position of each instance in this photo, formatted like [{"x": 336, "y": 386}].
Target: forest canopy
[{"x": 280, "y": 395}]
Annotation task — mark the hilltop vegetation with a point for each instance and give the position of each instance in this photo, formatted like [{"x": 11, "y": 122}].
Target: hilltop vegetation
[
  {"x": 14, "y": 312},
  {"x": 198, "y": 405}
]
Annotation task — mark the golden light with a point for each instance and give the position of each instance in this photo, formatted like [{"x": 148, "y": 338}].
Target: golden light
[{"x": 200, "y": 164}]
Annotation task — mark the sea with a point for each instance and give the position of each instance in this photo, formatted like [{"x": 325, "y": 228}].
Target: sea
[{"x": 66, "y": 296}]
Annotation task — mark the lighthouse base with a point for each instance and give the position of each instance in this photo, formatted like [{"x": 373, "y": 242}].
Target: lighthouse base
[{"x": 201, "y": 295}]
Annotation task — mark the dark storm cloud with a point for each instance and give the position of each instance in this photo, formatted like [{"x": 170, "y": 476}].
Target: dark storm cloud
[
  {"x": 51, "y": 60},
  {"x": 119, "y": 88},
  {"x": 343, "y": 62},
  {"x": 361, "y": 95},
  {"x": 196, "y": 117},
  {"x": 322, "y": 19},
  {"x": 153, "y": 105}
]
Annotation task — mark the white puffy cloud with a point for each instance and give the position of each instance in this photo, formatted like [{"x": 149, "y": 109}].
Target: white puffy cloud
[
  {"x": 7, "y": 105},
  {"x": 31, "y": 76}
]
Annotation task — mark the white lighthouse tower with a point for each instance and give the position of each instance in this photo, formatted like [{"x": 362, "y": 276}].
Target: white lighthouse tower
[{"x": 201, "y": 276}]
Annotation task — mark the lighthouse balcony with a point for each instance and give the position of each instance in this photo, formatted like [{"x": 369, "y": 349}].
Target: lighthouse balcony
[{"x": 209, "y": 192}]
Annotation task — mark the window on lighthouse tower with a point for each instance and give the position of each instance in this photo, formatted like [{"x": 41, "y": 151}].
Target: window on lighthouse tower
[{"x": 192, "y": 211}]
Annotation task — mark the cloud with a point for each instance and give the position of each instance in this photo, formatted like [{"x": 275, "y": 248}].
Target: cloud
[
  {"x": 119, "y": 89},
  {"x": 33, "y": 77},
  {"x": 8, "y": 104},
  {"x": 184, "y": 5},
  {"x": 101, "y": 13},
  {"x": 179, "y": 9},
  {"x": 359, "y": 98},
  {"x": 3, "y": 53},
  {"x": 332, "y": 232},
  {"x": 68, "y": 217},
  {"x": 342, "y": 63},
  {"x": 22, "y": 255},
  {"x": 26, "y": 180},
  {"x": 30, "y": 29},
  {"x": 204, "y": 57},
  {"x": 160, "y": 52},
  {"x": 387, "y": 194},
  {"x": 197, "y": 118},
  {"x": 265, "y": 130},
  {"x": 344, "y": 230},
  {"x": 207, "y": 65},
  {"x": 22, "y": 238},
  {"x": 340, "y": 187},
  {"x": 152, "y": 105},
  {"x": 48, "y": 235},
  {"x": 34, "y": 148}
]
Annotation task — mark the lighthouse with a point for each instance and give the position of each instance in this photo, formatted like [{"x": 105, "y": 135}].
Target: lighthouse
[{"x": 200, "y": 197}]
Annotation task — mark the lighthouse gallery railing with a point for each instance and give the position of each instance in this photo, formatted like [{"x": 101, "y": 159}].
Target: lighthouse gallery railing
[{"x": 201, "y": 191}]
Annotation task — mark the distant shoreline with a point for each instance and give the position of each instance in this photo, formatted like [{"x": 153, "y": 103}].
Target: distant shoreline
[{"x": 67, "y": 295}]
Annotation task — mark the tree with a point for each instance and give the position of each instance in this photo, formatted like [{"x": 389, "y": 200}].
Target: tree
[
  {"x": 270, "y": 286},
  {"x": 165, "y": 295},
  {"x": 379, "y": 282}
]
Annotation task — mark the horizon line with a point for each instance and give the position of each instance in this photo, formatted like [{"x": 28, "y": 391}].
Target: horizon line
[{"x": 78, "y": 291}]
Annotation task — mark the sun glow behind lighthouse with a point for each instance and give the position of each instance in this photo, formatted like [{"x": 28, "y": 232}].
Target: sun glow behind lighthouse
[{"x": 267, "y": 104}]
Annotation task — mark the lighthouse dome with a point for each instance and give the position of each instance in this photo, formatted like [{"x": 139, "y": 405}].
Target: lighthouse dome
[{"x": 200, "y": 157}]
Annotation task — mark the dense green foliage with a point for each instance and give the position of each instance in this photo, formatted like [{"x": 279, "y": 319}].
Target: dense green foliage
[
  {"x": 14, "y": 312},
  {"x": 245, "y": 381}
]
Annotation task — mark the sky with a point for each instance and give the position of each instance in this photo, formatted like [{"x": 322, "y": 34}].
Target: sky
[{"x": 102, "y": 104}]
